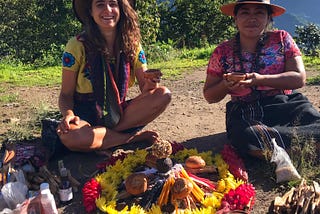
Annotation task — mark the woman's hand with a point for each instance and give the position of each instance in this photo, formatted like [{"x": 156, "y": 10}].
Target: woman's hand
[
  {"x": 233, "y": 81},
  {"x": 68, "y": 119},
  {"x": 252, "y": 79},
  {"x": 285, "y": 80},
  {"x": 152, "y": 79},
  {"x": 153, "y": 74},
  {"x": 148, "y": 79}
]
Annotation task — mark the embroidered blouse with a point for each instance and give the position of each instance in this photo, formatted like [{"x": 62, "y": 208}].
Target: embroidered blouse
[
  {"x": 74, "y": 59},
  {"x": 279, "y": 47}
]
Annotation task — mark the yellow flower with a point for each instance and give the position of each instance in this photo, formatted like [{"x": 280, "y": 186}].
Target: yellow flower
[
  {"x": 136, "y": 209},
  {"x": 109, "y": 191},
  {"x": 207, "y": 157},
  {"x": 212, "y": 201},
  {"x": 182, "y": 155},
  {"x": 115, "y": 174},
  {"x": 221, "y": 186},
  {"x": 208, "y": 210},
  {"x": 155, "y": 209},
  {"x": 101, "y": 203},
  {"x": 111, "y": 209},
  {"x": 111, "y": 179},
  {"x": 221, "y": 165}
]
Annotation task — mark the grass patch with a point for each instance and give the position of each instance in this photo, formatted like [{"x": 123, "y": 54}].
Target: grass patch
[
  {"x": 312, "y": 62},
  {"x": 176, "y": 63},
  {"x": 9, "y": 98},
  {"x": 28, "y": 76},
  {"x": 304, "y": 156},
  {"x": 185, "y": 60},
  {"x": 314, "y": 80},
  {"x": 175, "y": 68},
  {"x": 30, "y": 126}
]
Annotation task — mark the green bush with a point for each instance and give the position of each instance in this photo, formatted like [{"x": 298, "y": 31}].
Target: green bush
[
  {"x": 160, "y": 51},
  {"x": 308, "y": 39}
]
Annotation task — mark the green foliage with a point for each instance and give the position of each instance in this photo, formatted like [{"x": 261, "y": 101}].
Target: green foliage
[
  {"x": 314, "y": 80},
  {"x": 29, "y": 76},
  {"x": 149, "y": 19},
  {"x": 182, "y": 61},
  {"x": 9, "y": 98},
  {"x": 308, "y": 39},
  {"x": 160, "y": 51},
  {"x": 312, "y": 62},
  {"x": 35, "y": 29},
  {"x": 172, "y": 62},
  {"x": 303, "y": 154},
  {"x": 197, "y": 53},
  {"x": 51, "y": 57},
  {"x": 175, "y": 68},
  {"x": 194, "y": 23}
]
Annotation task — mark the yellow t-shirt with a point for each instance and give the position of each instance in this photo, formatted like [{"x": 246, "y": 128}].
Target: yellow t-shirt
[{"x": 74, "y": 59}]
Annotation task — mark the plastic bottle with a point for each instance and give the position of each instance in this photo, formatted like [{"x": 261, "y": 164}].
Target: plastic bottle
[
  {"x": 65, "y": 188},
  {"x": 47, "y": 200}
]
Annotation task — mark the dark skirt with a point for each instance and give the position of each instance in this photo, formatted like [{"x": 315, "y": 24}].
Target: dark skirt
[
  {"x": 286, "y": 118},
  {"x": 87, "y": 111}
]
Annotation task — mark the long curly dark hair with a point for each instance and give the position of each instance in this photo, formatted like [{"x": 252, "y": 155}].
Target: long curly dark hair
[{"x": 128, "y": 31}]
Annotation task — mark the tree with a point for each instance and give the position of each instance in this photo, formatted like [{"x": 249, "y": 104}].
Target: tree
[
  {"x": 192, "y": 23},
  {"x": 308, "y": 39},
  {"x": 149, "y": 19},
  {"x": 30, "y": 30},
  {"x": 35, "y": 29}
]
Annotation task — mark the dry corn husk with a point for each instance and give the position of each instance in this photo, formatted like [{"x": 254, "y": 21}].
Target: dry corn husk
[{"x": 305, "y": 199}]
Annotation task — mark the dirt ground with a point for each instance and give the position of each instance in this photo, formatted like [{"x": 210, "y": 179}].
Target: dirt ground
[{"x": 189, "y": 119}]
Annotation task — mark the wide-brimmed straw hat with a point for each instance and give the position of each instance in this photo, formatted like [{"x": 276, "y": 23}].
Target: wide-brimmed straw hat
[
  {"x": 81, "y": 9},
  {"x": 228, "y": 9}
]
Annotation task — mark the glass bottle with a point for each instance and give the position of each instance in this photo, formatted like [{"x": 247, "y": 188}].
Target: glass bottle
[{"x": 65, "y": 188}]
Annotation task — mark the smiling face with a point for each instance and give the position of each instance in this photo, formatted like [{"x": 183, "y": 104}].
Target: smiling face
[
  {"x": 106, "y": 14},
  {"x": 252, "y": 20}
]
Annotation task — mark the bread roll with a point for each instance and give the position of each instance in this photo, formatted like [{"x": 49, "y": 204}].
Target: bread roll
[
  {"x": 136, "y": 183},
  {"x": 195, "y": 162},
  {"x": 181, "y": 188}
]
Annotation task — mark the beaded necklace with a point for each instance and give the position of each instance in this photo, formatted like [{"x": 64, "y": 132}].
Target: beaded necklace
[
  {"x": 256, "y": 66},
  {"x": 108, "y": 57}
]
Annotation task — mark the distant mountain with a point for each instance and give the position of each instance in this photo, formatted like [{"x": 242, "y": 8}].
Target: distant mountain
[
  {"x": 298, "y": 12},
  {"x": 288, "y": 22}
]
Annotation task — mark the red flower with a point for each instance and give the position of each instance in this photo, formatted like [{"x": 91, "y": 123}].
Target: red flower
[
  {"x": 90, "y": 192},
  {"x": 242, "y": 198},
  {"x": 236, "y": 165}
]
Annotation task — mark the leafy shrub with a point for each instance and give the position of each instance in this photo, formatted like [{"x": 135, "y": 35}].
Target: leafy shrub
[
  {"x": 160, "y": 51},
  {"x": 308, "y": 39}
]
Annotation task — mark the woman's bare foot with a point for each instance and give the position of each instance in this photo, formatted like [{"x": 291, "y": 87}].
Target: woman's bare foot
[
  {"x": 144, "y": 136},
  {"x": 140, "y": 140}
]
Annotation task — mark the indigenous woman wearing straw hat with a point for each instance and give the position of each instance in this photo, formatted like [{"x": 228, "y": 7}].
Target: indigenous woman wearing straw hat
[
  {"x": 260, "y": 69},
  {"x": 99, "y": 65}
]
